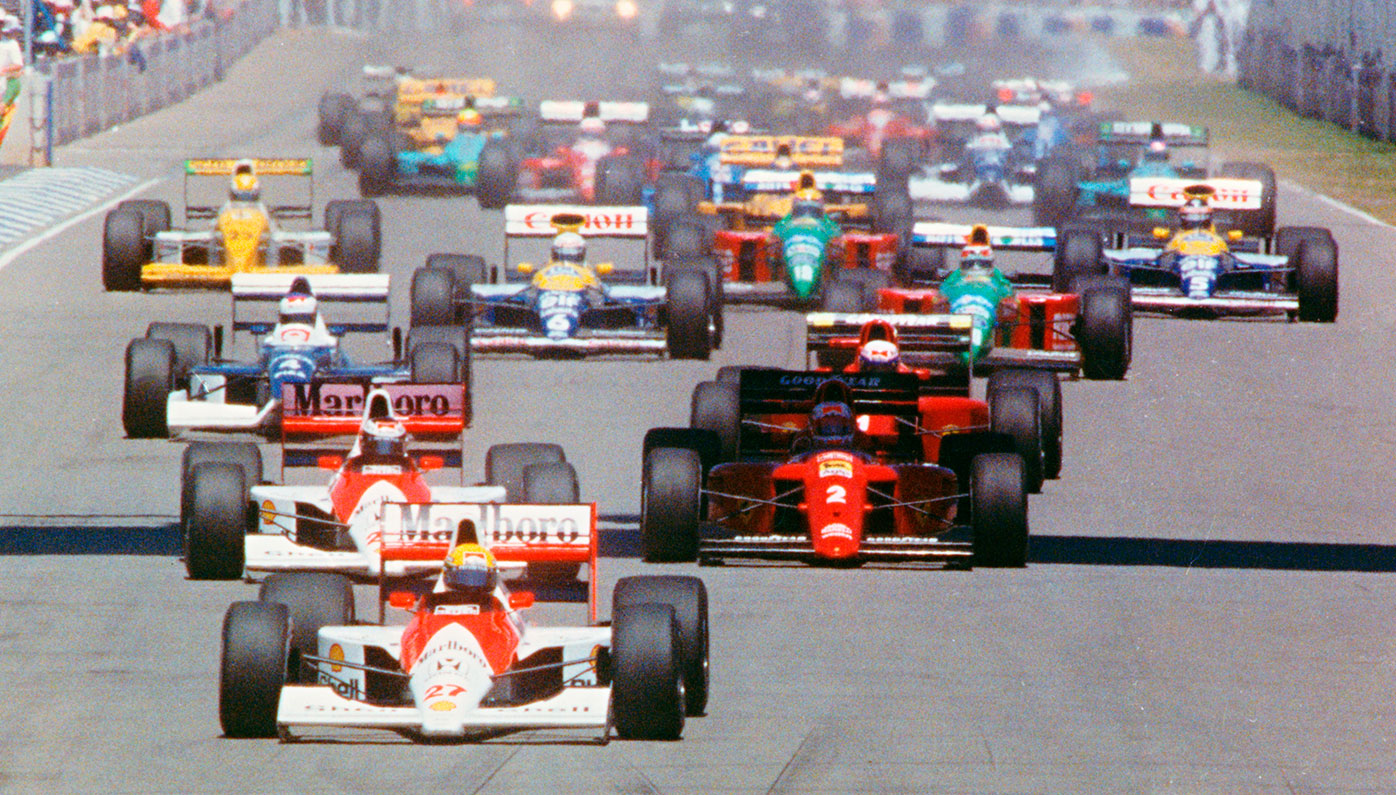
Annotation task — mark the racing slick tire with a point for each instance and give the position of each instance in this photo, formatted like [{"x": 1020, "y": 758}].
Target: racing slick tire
[
  {"x": 505, "y": 464},
  {"x": 670, "y": 502},
  {"x": 217, "y": 525},
  {"x": 496, "y": 176},
  {"x": 155, "y": 218},
  {"x": 1078, "y": 254},
  {"x": 433, "y": 297},
  {"x": 313, "y": 599},
  {"x": 704, "y": 442},
  {"x": 434, "y": 363},
  {"x": 1105, "y": 329},
  {"x": 688, "y": 597},
  {"x": 1054, "y": 192},
  {"x": 123, "y": 250},
  {"x": 620, "y": 180},
  {"x": 685, "y": 238},
  {"x": 252, "y": 668},
  {"x": 1287, "y": 239},
  {"x": 1016, "y": 412},
  {"x": 712, "y": 271},
  {"x": 689, "y": 329},
  {"x": 920, "y": 266},
  {"x": 1316, "y": 280},
  {"x": 842, "y": 295},
  {"x": 716, "y": 407},
  {"x": 900, "y": 157},
  {"x": 1049, "y": 401},
  {"x": 893, "y": 212},
  {"x": 647, "y": 689},
  {"x": 150, "y": 369},
  {"x": 333, "y": 111},
  {"x": 244, "y": 454},
  {"x": 193, "y": 344},
  {"x": 552, "y": 483},
  {"x": 673, "y": 200},
  {"x": 336, "y": 209},
  {"x": 356, "y": 244},
  {"x": 999, "y": 513},
  {"x": 376, "y": 166},
  {"x": 352, "y": 136},
  {"x": 468, "y": 269},
  {"x": 1255, "y": 223},
  {"x": 455, "y": 336}
]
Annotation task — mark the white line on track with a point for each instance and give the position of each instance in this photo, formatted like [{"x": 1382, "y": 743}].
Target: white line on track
[
  {"x": 53, "y": 231},
  {"x": 1337, "y": 205}
]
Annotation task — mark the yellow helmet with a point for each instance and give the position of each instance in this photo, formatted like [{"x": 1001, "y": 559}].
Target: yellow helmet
[
  {"x": 471, "y": 569},
  {"x": 245, "y": 187}
]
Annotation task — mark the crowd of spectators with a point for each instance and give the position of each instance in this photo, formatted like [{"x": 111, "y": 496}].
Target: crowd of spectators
[{"x": 65, "y": 27}]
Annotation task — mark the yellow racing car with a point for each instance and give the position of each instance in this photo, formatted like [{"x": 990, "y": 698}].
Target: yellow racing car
[{"x": 141, "y": 251}]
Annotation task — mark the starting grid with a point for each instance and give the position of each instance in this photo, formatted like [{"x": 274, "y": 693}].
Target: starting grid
[{"x": 37, "y": 198}]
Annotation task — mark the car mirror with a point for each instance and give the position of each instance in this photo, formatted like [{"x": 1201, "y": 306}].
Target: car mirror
[
  {"x": 402, "y": 600},
  {"x": 430, "y": 462},
  {"x": 1234, "y": 234},
  {"x": 525, "y": 267},
  {"x": 520, "y": 600},
  {"x": 604, "y": 268},
  {"x": 1161, "y": 232},
  {"x": 330, "y": 462}
]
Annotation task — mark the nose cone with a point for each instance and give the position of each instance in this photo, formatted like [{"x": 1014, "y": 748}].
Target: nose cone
[
  {"x": 835, "y": 541},
  {"x": 449, "y": 681}
]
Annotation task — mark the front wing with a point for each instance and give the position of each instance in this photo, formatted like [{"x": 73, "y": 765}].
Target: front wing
[{"x": 889, "y": 549}]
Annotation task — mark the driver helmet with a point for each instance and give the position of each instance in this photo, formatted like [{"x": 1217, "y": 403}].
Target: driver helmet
[
  {"x": 470, "y": 570},
  {"x": 245, "y": 187},
  {"x": 989, "y": 123},
  {"x": 878, "y": 356},
  {"x": 1157, "y": 152},
  {"x": 592, "y": 126},
  {"x": 570, "y": 247},
  {"x": 976, "y": 259},
  {"x": 806, "y": 207},
  {"x": 831, "y": 423},
  {"x": 298, "y": 309},
  {"x": 468, "y": 118},
  {"x": 784, "y": 160},
  {"x": 1195, "y": 214},
  {"x": 383, "y": 439}
]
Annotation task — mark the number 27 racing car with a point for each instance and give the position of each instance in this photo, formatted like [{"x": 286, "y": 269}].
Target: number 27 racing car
[{"x": 468, "y": 664}]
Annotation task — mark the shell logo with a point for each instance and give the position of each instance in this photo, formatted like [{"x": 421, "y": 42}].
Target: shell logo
[
  {"x": 337, "y": 654},
  {"x": 443, "y": 706},
  {"x": 268, "y": 512}
]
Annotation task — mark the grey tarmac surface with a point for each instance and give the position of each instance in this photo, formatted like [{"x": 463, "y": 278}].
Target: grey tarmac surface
[{"x": 1206, "y": 610}]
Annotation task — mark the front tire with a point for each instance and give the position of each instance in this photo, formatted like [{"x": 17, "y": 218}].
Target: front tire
[
  {"x": 670, "y": 502},
  {"x": 1105, "y": 331},
  {"x": 647, "y": 694},
  {"x": 689, "y": 332},
  {"x": 688, "y": 597},
  {"x": 999, "y": 512},
  {"x": 313, "y": 600},
  {"x": 217, "y": 528},
  {"x": 123, "y": 250},
  {"x": 150, "y": 368},
  {"x": 1316, "y": 280},
  {"x": 252, "y": 668}
]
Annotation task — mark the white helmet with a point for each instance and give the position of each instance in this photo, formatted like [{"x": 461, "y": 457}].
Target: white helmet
[
  {"x": 592, "y": 125},
  {"x": 989, "y": 123},
  {"x": 570, "y": 247},
  {"x": 298, "y": 308}
]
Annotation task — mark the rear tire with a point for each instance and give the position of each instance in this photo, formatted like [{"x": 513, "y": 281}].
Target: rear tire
[
  {"x": 433, "y": 297},
  {"x": 1049, "y": 396},
  {"x": 150, "y": 368},
  {"x": 689, "y": 331},
  {"x": 217, "y": 527},
  {"x": 716, "y": 407},
  {"x": 552, "y": 483},
  {"x": 376, "y": 166},
  {"x": 688, "y": 597},
  {"x": 1078, "y": 254},
  {"x": 193, "y": 345},
  {"x": 313, "y": 600},
  {"x": 1255, "y": 223},
  {"x": 647, "y": 694},
  {"x": 434, "y": 363},
  {"x": 505, "y": 465},
  {"x": 496, "y": 176},
  {"x": 252, "y": 668},
  {"x": 670, "y": 501},
  {"x": 357, "y": 244},
  {"x": 1316, "y": 280},
  {"x": 1105, "y": 331},
  {"x": 1016, "y": 412},
  {"x": 1000, "y": 510}
]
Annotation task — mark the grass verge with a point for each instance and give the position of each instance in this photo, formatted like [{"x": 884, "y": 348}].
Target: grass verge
[{"x": 1166, "y": 86}]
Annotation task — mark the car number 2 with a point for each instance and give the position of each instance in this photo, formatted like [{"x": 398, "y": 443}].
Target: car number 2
[{"x": 836, "y": 494}]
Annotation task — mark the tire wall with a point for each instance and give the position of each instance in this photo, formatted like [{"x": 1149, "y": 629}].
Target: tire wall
[{"x": 1333, "y": 60}]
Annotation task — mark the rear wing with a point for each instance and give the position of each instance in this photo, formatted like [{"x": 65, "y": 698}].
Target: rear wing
[
  {"x": 938, "y": 341},
  {"x": 779, "y": 394},
  {"x": 310, "y": 457},
  {"x": 270, "y": 288},
  {"x": 537, "y": 220},
  {"x": 940, "y": 234},
  {"x": 847, "y": 182},
  {"x": 328, "y": 408},
  {"x": 1229, "y": 194},
  {"x": 414, "y": 89},
  {"x": 1018, "y": 115},
  {"x": 513, "y": 533},
  {"x": 570, "y": 112},
  {"x": 760, "y": 150},
  {"x": 262, "y": 167},
  {"x": 1141, "y": 133}
]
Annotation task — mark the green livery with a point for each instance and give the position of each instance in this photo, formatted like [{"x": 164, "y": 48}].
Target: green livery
[
  {"x": 978, "y": 294},
  {"x": 804, "y": 246}
]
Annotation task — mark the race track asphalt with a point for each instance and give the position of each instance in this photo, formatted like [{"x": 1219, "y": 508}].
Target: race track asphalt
[{"x": 1206, "y": 608}]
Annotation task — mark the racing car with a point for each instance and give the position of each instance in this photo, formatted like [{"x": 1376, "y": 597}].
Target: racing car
[
  {"x": 569, "y": 306},
  {"x": 839, "y": 469},
  {"x": 468, "y": 664},
  {"x": 1054, "y": 322},
  {"x": 995, "y": 166},
  {"x": 886, "y": 113},
  {"x": 1070, "y": 191},
  {"x": 141, "y": 251},
  {"x": 583, "y": 151},
  {"x": 177, "y": 379},
  {"x": 442, "y": 151},
  {"x": 392, "y": 101},
  {"x": 1198, "y": 270},
  {"x": 234, "y": 522}
]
